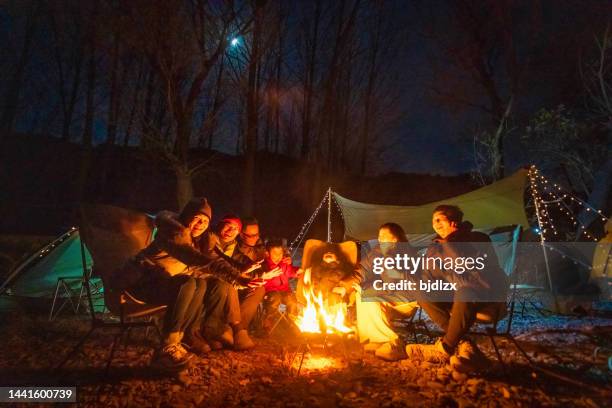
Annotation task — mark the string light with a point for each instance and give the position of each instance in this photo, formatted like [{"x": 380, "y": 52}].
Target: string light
[
  {"x": 300, "y": 236},
  {"x": 543, "y": 213},
  {"x": 567, "y": 211},
  {"x": 49, "y": 247}
]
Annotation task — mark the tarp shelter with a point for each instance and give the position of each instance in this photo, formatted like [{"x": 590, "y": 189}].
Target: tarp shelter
[
  {"x": 498, "y": 204},
  {"x": 37, "y": 276}
]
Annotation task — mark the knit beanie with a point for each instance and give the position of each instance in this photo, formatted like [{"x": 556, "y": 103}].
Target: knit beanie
[{"x": 195, "y": 206}]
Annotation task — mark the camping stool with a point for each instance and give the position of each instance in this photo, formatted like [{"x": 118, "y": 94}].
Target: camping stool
[
  {"x": 260, "y": 317},
  {"x": 283, "y": 315},
  {"x": 68, "y": 294},
  {"x": 416, "y": 324},
  {"x": 527, "y": 298}
]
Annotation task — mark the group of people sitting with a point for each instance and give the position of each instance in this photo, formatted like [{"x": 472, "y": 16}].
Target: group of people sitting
[
  {"x": 213, "y": 281},
  {"x": 480, "y": 290}
]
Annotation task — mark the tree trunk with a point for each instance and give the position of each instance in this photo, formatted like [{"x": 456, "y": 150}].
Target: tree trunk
[
  {"x": 74, "y": 93},
  {"x": 89, "y": 110},
  {"x": 279, "y": 65},
  {"x": 13, "y": 93},
  {"x": 147, "y": 108},
  {"x": 111, "y": 128},
  {"x": 67, "y": 101},
  {"x": 248, "y": 187},
  {"x": 184, "y": 185},
  {"x": 600, "y": 192},
  {"x": 128, "y": 130},
  {"x": 309, "y": 85},
  {"x": 216, "y": 104}
]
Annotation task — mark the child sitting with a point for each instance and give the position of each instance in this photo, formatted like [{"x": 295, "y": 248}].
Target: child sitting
[{"x": 277, "y": 289}]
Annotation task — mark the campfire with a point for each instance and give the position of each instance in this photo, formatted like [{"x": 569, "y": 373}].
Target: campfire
[{"x": 320, "y": 315}]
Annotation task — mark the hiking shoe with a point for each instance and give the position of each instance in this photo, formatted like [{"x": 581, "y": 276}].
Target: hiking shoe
[
  {"x": 431, "y": 353},
  {"x": 469, "y": 358},
  {"x": 219, "y": 341},
  {"x": 371, "y": 347},
  {"x": 172, "y": 356},
  {"x": 215, "y": 345},
  {"x": 391, "y": 351},
  {"x": 227, "y": 337},
  {"x": 242, "y": 341},
  {"x": 197, "y": 345}
]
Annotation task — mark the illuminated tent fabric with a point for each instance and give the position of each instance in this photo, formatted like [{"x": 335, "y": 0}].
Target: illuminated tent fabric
[
  {"x": 119, "y": 233},
  {"x": 38, "y": 275},
  {"x": 601, "y": 273},
  {"x": 498, "y": 204}
]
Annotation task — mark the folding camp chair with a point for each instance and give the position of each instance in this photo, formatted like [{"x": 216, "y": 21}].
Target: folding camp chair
[
  {"x": 490, "y": 316},
  {"x": 113, "y": 235},
  {"x": 283, "y": 315}
]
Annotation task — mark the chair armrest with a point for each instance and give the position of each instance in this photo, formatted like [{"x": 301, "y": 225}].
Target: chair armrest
[{"x": 127, "y": 296}]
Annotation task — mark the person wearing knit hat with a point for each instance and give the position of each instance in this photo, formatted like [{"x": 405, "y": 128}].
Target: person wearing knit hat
[
  {"x": 195, "y": 206},
  {"x": 168, "y": 272}
]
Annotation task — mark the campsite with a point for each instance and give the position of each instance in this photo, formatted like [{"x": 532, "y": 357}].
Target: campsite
[{"x": 270, "y": 203}]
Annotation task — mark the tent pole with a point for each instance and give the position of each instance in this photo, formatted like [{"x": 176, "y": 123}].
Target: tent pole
[
  {"x": 329, "y": 208},
  {"x": 543, "y": 245}
]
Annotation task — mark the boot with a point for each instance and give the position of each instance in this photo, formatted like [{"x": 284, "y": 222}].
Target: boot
[
  {"x": 197, "y": 343},
  {"x": 469, "y": 358},
  {"x": 391, "y": 351},
  {"x": 242, "y": 341},
  {"x": 432, "y": 353}
]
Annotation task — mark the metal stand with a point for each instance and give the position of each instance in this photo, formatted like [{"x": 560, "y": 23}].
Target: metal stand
[{"x": 543, "y": 245}]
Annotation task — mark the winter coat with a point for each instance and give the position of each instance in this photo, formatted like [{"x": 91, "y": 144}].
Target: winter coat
[
  {"x": 490, "y": 279},
  {"x": 211, "y": 243},
  {"x": 173, "y": 252},
  {"x": 281, "y": 282}
]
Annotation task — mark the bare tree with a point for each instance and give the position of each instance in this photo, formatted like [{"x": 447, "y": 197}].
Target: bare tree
[
  {"x": 69, "y": 39},
  {"x": 183, "y": 42},
  {"x": 14, "y": 89},
  {"x": 480, "y": 67},
  {"x": 597, "y": 78},
  {"x": 88, "y": 130}
]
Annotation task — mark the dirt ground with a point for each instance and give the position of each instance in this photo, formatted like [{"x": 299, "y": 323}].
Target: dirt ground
[{"x": 340, "y": 375}]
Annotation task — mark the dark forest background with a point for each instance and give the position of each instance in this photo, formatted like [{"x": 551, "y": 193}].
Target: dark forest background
[{"x": 261, "y": 105}]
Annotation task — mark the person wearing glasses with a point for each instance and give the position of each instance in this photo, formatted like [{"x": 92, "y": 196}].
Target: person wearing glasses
[
  {"x": 228, "y": 309},
  {"x": 250, "y": 243}
]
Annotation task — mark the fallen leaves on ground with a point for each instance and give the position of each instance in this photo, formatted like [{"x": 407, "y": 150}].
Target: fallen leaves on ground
[{"x": 267, "y": 376}]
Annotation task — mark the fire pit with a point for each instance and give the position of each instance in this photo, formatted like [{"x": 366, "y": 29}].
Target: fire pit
[{"x": 323, "y": 327}]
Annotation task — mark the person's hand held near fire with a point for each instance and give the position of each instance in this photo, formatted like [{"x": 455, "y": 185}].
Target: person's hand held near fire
[
  {"x": 272, "y": 274},
  {"x": 252, "y": 267}
]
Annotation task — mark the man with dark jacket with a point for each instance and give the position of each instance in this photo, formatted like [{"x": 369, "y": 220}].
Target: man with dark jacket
[
  {"x": 250, "y": 243},
  {"x": 475, "y": 289},
  {"x": 167, "y": 272}
]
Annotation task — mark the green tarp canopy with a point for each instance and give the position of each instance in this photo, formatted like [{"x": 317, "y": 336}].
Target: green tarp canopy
[{"x": 498, "y": 204}]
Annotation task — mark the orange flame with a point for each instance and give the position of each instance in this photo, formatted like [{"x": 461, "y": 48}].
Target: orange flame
[{"x": 318, "y": 315}]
